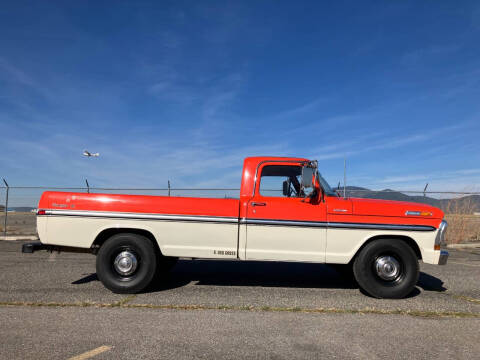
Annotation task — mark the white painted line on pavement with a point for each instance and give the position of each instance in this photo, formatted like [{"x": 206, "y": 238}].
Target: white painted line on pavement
[
  {"x": 459, "y": 263},
  {"x": 91, "y": 353}
]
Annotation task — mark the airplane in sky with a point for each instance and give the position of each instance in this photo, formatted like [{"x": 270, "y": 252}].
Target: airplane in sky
[{"x": 89, "y": 154}]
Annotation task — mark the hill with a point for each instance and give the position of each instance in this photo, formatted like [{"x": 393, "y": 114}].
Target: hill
[{"x": 21, "y": 208}]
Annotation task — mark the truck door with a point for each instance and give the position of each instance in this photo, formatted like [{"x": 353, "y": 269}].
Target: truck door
[{"x": 283, "y": 224}]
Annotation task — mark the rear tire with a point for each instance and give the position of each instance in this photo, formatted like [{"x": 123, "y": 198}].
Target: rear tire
[
  {"x": 126, "y": 263},
  {"x": 386, "y": 268}
]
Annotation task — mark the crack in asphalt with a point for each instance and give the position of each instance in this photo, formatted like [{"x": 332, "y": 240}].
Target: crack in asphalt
[
  {"x": 124, "y": 300},
  {"x": 366, "y": 311},
  {"x": 466, "y": 298}
]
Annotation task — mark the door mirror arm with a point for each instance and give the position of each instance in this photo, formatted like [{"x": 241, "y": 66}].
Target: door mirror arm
[{"x": 316, "y": 196}]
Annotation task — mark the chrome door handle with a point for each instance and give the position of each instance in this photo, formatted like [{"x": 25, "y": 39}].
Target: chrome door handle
[{"x": 259, "y": 204}]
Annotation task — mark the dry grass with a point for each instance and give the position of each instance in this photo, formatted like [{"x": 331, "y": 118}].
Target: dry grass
[
  {"x": 463, "y": 226},
  {"x": 20, "y": 223},
  {"x": 365, "y": 311}
]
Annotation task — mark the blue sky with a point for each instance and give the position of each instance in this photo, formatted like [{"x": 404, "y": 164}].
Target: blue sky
[{"x": 185, "y": 90}]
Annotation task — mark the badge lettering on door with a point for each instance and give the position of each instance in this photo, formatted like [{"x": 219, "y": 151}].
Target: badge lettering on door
[{"x": 224, "y": 252}]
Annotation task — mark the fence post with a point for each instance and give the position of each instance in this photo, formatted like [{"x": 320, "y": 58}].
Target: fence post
[
  {"x": 88, "y": 186},
  {"x": 168, "y": 187},
  {"x": 6, "y": 208}
]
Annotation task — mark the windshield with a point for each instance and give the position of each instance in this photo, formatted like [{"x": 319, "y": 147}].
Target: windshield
[{"x": 326, "y": 188}]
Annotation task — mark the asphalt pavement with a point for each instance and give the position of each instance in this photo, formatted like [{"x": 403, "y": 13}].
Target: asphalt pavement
[{"x": 52, "y": 306}]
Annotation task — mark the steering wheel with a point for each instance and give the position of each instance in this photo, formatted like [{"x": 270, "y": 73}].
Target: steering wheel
[{"x": 291, "y": 189}]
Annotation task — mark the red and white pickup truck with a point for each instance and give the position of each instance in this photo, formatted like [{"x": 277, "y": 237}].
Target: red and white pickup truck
[{"x": 286, "y": 212}]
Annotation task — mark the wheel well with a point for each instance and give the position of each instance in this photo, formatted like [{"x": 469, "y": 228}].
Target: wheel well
[
  {"x": 406, "y": 239},
  {"x": 104, "y": 235}
]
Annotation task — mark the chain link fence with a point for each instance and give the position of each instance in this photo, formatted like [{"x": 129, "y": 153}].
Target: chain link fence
[{"x": 18, "y": 204}]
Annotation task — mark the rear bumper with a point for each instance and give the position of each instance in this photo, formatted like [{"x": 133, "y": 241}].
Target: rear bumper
[
  {"x": 442, "y": 260},
  {"x": 32, "y": 247}
]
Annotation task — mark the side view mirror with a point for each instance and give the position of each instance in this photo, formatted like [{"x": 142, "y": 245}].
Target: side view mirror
[{"x": 307, "y": 177}]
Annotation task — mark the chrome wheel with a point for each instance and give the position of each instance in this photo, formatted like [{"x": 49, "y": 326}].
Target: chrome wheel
[
  {"x": 125, "y": 263},
  {"x": 387, "y": 268}
]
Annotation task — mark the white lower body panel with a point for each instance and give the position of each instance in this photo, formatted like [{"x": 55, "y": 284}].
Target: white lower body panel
[
  {"x": 227, "y": 239},
  {"x": 175, "y": 238},
  {"x": 343, "y": 244},
  {"x": 285, "y": 243}
]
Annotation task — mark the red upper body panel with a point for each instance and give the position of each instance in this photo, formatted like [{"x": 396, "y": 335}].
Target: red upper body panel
[
  {"x": 332, "y": 209},
  {"x": 139, "y": 204},
  {"x": 369, "y": 207},
  {"x": 375, "y": 211}
]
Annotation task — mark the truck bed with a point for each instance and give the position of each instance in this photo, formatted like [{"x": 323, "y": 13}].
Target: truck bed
[
  {"x": 147, "y": 204},
  {"x": 182, "y": 226}
]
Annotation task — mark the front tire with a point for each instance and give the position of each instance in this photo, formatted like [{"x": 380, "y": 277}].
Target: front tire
[
  {"x": 386, "y": 268},
  {"x": 126, "y": 263}
]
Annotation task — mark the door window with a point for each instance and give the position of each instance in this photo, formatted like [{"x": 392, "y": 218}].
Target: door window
[{"x": 281, "y": 181}]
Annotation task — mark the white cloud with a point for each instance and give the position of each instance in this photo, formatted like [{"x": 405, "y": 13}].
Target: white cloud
[
  {"x": 427, "y": 53},
  {"x": 20, "y": 77}
]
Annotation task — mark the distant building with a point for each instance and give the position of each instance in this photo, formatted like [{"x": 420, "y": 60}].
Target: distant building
[{"x": 476, "y": 213}]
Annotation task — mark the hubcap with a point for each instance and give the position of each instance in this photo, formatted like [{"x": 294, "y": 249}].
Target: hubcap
[
  {"x": 387, "y": 267},
  {"x": 125, "y": 263}
]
